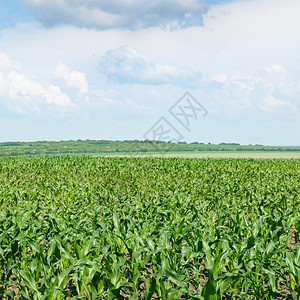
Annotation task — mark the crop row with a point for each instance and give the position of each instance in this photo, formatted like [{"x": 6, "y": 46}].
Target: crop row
[{"x": 146, "y": 228}]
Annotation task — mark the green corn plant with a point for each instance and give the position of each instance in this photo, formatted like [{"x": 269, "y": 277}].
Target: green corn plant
[{"x": 145, "y": 228}]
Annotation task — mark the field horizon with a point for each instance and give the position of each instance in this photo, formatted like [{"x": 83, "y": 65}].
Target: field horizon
[{"x": 143, "y": 147}]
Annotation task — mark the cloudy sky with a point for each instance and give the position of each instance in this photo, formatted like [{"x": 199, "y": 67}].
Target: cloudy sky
[{"x": 96, "y": 69}]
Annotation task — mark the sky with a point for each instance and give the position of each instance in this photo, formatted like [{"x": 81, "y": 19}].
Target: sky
[{"x": 193, "y": 70}]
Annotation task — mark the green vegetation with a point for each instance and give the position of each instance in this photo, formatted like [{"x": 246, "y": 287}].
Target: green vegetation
[
  {"x": 132, "y": 228},
  {"x": 125, "y": 147}
]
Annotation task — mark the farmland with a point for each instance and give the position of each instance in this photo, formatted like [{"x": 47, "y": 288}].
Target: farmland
[
  {"x": 149, "y": 228},
  {"x": 213, "y": 154}
]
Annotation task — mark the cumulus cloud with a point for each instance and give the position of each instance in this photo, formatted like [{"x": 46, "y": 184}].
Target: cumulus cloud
[
  {"x": 8, "y": 64},
  {"x": 222, "y": 78},
  {"x": 53, "y": 94},
  {"x": 270, "y": 103},
  {"x": 131, "y": 14},
  {"x": 73, "y": 79},
  {"x": 127, "y": 65},
  {"x": 275, "y": 69},
  {"x": 270, "y": 90},
  {"x": 22, "y": 93}
]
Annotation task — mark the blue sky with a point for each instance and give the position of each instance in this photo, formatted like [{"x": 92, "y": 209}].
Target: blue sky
[{"x": 111, "y": 69}]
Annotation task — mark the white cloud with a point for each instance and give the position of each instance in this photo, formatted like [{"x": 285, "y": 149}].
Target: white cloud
[
  {"x": 222, "y": 78},
  {"x": 270, "y": 103},
  {"x": 271, "y": 89},
  {"x": 3, "y": 87},
  {"x": 73, "y": 79},
  {"x": 117, "y": 99},
  {"x": 127, "y": 65},
  {"x": 54, "y": 95},
  {"x": 119, "y": 13},
  {"x": 275, "y": 69},
  {"x": 7, "y": 64},
  {"x": 22, "y": 93},
  {"x": 21, "y": 86},
  {"x": 31, "y": 92}
]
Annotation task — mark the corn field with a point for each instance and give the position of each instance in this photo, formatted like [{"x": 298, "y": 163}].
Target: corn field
[{"x": 149, "y": 228}]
